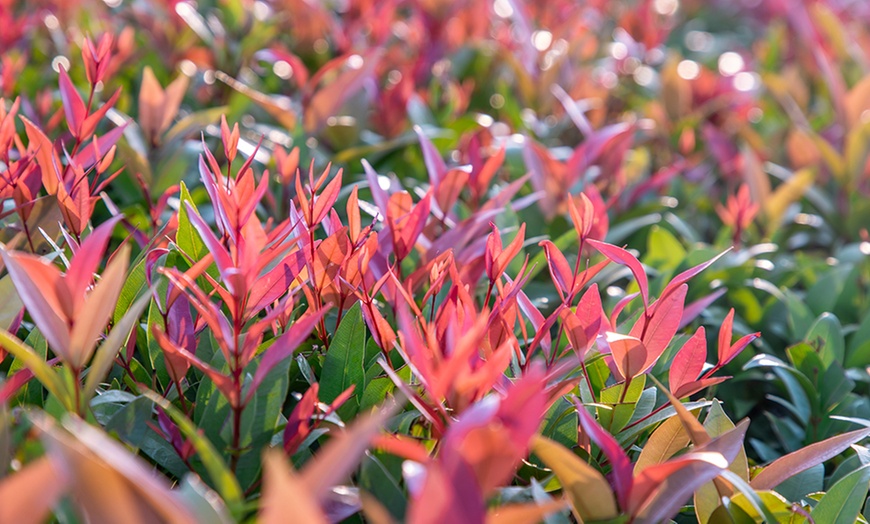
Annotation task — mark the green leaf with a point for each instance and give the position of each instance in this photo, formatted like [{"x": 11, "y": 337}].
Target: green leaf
[
  {"x": 664, "y": 252},
  {"x": 708, "y": 497},
  {"x": 843, "y": 502},
  {"x": 203, "y": 501},
  {"x": 40, "y": 369},
  {"x": 376, "y": 391},
  {"x": 802, "y": 484},
  {"x": 11, "y": 304},
  {"x": 132, "y": 289},
  {"x": 622, "y": 403},
  {"x": 260, "y": 419},
  {"x": 220, "y": 474},
  {"x": 589, "y": 492},
  {"x": 826, "y": 335},
  {"x": 343, "y": 365},
  {"x": 186, "y": 236},
  {"x": 560, "y": 423},
  {"x": 383, "y": 482}
]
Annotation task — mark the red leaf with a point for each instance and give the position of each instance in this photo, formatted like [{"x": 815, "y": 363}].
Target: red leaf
[
  {"x": 223, "y": 383},
  {"x": 688, "y": 362},
  {"x": 725, "y": 335},
  {"x": 298, "y": 427},
  {"x": 447, "y": 192},
  {"x": 87, "y": 259},
  {"x": 694, "y": 309},
  {"x": 583, "y": 326},
  {"x": 622, "y": 256},
  {"x": 231, "y": 277},
  {"x": 504, "y": 257},
  {"x": 696, "y": 386},
  {"x": 617, "y": 309},
  {"x": 657, "y": 333}
]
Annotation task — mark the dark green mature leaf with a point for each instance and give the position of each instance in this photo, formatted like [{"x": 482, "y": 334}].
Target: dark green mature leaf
[
  {"x": 224, "y": 480},
  {"x": 343, "y": 365},
  {"x": 381, "y": 475},
  {"x": 826, "y": 335},
  {"x": 261, "y": 419}
]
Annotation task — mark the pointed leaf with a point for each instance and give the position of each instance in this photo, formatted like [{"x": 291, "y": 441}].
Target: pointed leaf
[
  {"x": 622, "y": 256},
  {"x": 590, "y": 494},
  {"x": 789, "y": 465}
]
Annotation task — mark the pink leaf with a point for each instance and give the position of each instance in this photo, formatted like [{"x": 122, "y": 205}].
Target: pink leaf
[
  {"x": 73, "y": 105},
  {"x": 688, "y": 362},
  {"x": 432, "y": 158},
  {"x": 622, "y": 256},
  {"x": 686, "y": 275},
  {"x": 560, "y": 270}
]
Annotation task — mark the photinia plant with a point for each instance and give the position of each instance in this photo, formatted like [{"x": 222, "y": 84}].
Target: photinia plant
[{"x": 428, "y": 261}]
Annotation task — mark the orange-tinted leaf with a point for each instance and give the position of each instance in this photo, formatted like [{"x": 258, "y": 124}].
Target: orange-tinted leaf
[
  {"x": 629, "y": 354},
  {"x": 523, "y": 513},
  {"x": 586, "y": 487},
  {"x": 329, "y": 258},
  {"x": 29, "y": 494},
  {"x": 406, "y": 221},
  {"x": 340, "y": 456},
  {"x": 286, "y": 497},
  {"x": 46, "y": 156}
]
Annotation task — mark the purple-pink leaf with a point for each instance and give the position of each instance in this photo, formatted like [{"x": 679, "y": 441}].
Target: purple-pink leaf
[{"x": 622, "y": 475}]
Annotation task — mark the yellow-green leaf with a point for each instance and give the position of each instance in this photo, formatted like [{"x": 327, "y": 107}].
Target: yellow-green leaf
[{"x": 590, "y": 494}]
